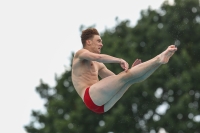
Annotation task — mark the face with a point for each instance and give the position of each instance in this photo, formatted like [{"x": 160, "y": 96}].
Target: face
[{"x": 96, "y": 44}]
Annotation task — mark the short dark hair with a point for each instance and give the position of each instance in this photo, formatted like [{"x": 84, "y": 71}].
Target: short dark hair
[{"x": 88, "y": 34}]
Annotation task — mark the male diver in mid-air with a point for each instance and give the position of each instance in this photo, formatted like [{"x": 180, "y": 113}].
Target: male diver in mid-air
[{"x": 88, "y": 63}]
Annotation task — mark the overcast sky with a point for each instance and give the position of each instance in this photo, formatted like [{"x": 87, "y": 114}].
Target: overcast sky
[{"x": 37, "y": 38}]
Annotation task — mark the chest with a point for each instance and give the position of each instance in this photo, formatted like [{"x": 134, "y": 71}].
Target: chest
[{"x": 93, "y": 67}]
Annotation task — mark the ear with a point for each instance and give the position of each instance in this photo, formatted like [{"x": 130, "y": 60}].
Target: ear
[{"x": 88, "y": 42}]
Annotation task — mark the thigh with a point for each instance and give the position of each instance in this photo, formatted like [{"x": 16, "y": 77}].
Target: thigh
[
  {"x": 102, "y": 91},
  {"x": 116, "y": 97}
]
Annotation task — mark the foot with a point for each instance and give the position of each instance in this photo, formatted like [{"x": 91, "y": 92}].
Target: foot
[{"x": 165, "y": 56}]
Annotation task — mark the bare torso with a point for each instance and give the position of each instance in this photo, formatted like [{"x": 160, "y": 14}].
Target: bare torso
[{"x": 84, "y": 74}]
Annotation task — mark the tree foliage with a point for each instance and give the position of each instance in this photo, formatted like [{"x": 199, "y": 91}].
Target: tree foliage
[{"x": 174, "y": 86}]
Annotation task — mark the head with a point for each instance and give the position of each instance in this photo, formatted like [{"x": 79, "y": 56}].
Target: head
[{"x": 91, "y": 40}]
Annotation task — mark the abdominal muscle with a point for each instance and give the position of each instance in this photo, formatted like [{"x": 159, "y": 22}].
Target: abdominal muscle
[{"x": 83, "y": 76}]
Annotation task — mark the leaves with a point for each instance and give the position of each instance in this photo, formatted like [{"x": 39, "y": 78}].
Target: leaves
[{"x": 174, "y": 85}]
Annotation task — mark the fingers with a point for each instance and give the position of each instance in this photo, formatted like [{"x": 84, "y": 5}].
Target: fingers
[
  {"x": 124, "y": 65},
  {"x": 136, "y": 62}
]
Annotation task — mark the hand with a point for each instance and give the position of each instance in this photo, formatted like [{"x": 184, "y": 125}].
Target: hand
[
  {"x": 137, "y": 61},
  {"x": 124, "y": 65}
]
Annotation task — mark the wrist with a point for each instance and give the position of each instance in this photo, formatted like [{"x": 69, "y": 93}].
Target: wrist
[{"x": 120, "y": 60}]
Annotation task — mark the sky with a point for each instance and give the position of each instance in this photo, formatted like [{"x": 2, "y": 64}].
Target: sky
[{"x": 37, "y": 38}]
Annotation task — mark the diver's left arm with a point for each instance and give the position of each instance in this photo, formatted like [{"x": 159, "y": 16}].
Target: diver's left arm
[{"x": 104, "y": 71}]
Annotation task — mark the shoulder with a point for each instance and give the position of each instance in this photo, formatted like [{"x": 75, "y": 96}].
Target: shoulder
[
  {"x": 77, "y": 54},
  {"x": 83, "y": 54}
]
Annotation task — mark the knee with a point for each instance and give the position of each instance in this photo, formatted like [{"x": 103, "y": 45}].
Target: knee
[{"x": 126, "y": 75}]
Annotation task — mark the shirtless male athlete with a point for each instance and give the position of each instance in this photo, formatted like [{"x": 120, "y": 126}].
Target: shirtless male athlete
[{"x": 100, "y": 95}]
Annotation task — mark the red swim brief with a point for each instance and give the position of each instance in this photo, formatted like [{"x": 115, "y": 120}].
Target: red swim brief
[{"x": 90, "y": 104}]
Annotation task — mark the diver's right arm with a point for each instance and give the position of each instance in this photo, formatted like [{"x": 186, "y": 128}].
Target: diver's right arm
[{"x": 84, "y": 54}]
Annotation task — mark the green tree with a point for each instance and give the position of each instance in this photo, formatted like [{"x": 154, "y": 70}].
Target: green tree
[{"x": 174, "y": 85}]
